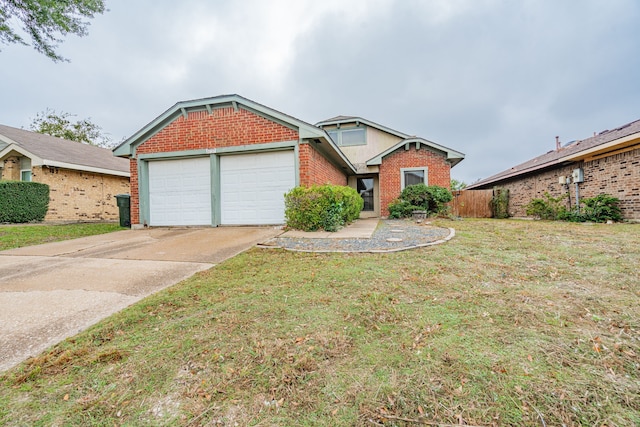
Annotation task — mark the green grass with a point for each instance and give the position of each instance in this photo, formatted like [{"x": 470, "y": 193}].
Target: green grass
[
  {"x": 510, "y": 323},
  {"x": 18, "y": 236}
]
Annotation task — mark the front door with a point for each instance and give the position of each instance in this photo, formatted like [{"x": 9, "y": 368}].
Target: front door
[{"x": 367, "y": 187}]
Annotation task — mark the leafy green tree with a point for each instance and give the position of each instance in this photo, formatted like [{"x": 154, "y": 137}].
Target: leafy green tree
[
  {"x": 59, "y": 124},
  {"x": 46, "y": 22},
  {"x": 456, "y": 185}
]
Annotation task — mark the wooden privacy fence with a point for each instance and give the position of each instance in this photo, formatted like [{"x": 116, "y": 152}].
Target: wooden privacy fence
[{"x": 471, "y": 203}]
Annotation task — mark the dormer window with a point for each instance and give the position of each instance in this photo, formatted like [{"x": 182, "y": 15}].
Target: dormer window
[{"x": 349, "y": 136}]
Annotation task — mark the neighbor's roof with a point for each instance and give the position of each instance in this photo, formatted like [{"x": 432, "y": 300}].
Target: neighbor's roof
[
  {"x": 305, "y": 130},
  {"x": 608, "y": 140},
  {"x": 47, "y": 150},
  {"x": 453, "y": 156}
]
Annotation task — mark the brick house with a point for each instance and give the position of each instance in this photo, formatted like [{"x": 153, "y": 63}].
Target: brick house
[
  {"x": 228, "y": 160},
  {"x": 82, "y": 179},
  {"x": 607, "y": 163}
]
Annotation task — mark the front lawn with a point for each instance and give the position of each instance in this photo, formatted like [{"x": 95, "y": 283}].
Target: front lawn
[
  {"x": 16, "y": 236},
  {"x": 510, "y": 323}
]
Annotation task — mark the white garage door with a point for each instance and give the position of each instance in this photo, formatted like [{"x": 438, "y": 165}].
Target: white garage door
[
  {"x": 253, "y": 186},
  {"x": 180, "y": 192}
]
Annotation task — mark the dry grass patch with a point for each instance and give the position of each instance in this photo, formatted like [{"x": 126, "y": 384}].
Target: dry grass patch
[{"x": 510, "y": 323}]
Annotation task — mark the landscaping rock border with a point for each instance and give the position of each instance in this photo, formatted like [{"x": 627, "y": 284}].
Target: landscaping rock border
[{"x": 386, "y": 238}]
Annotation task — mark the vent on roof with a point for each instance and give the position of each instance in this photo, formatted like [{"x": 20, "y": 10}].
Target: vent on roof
[{"x": 569, "y": 143}]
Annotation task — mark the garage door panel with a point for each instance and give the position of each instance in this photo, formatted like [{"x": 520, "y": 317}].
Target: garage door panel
[
  {"x": 180, "y": 192},
  {"x": 253, "y": 187}
]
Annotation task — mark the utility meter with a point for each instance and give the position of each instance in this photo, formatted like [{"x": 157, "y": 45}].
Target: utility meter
[{"x": 577, "y": 175}]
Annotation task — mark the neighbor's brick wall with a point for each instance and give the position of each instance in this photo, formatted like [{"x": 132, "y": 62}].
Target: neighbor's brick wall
[
  {"x": 617, "y": 175},
  {"x": 439, "y": 171},
  {"x": 11, "y": 169},
  {"x": 523, "y": 190},
  {"x": 225, "y": 127},
  {"x": 80, "y": 196},
  {"x": 315, "y": 169}
]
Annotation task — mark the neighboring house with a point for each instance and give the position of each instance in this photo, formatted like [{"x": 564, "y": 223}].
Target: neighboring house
[
  {"x": 228, "y": 160},
  {"x": 82, "y": 179},
  {"x": 607, "y": 163}
]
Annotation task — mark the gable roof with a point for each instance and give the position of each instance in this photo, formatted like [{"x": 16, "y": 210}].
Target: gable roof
[
  {"x": 182, "y": 108},
  {"x": 47, "y": 150},
  {"x": 453, "y": 156},
  {"x": 608, "y": 140}
]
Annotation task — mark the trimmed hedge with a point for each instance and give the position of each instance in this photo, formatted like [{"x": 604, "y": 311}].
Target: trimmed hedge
[
  {"x": 327, "y": 207},
  {"x": 23, "y": 201}
]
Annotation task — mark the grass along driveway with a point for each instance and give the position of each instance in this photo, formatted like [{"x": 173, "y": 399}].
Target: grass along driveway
[
  {"x": 510, "y": 323},
  {"x": 17, "y": 236}
]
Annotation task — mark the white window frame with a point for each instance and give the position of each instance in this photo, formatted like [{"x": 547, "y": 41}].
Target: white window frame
[
  {"x": 423, "y": 169},
  {"x": 24, "y": 162},
  {"x": 339, "y": 132}
]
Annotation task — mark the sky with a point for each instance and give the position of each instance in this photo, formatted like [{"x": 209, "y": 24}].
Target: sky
[{"x": 497, "y": 80}]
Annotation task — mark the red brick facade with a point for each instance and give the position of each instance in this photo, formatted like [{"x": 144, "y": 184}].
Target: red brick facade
[
  {"x": 134, "y": 194},
  {"x": 617, "y": 175},
  {"x": 315, "y": 169},
  {"x": 438, "y": 171},
  {"x": 224, "y": 127}
]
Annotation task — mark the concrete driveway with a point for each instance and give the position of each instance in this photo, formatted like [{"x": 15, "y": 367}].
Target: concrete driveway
[{"x": 52, "y": 291}]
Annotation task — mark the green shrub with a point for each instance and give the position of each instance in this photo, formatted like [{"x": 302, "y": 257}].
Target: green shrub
[
  {"x": 601, "y": 208},
  {"x": 420, "y": 197},
  {"x": 551, "y": 208},
  {"x": 326, "y": 207},
  {"x": 438, "y": 198},
  {"x": 23, "y": 201},
  {"x": 402, "y": 209}
]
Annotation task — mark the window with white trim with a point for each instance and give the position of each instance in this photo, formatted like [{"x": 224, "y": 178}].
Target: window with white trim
[
  {"x": 348, "y": 137},
  {"x": 25, "y": 169},
  {"x": 412, "y": 176}
]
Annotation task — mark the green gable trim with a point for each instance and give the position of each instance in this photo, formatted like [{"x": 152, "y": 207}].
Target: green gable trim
[{"x": 305, "y": 130}]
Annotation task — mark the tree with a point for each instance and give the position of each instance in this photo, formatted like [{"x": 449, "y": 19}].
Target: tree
[
  {"x": 46, "y": 22},
  {"x": 51, "y": 123},
  {"x": 457, "y": 185}
]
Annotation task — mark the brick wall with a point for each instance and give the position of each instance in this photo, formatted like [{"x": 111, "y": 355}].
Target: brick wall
[
  {"x": 74, "y": 195},
  {"x": 80, "y": 196},
  {"x": 11, "y": 169},
  {"x": 315, "y": 169},
  {"x": 439, "y": 171},
  {"x": 225, "y": 127},
  {"x": 135, "y": 194},
  {"x": 617, "y": 175}
]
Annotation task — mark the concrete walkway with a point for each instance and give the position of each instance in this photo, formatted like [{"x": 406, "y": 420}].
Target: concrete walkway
[{"x": 359, "y": 229}]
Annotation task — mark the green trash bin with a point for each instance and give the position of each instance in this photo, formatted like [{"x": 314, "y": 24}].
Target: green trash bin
[{"x": 124, "y": 206}]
